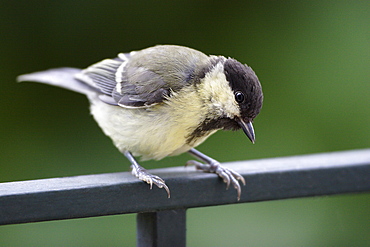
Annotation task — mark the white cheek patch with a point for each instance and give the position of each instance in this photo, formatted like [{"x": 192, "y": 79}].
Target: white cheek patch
[{"x": 217, "y": 88}]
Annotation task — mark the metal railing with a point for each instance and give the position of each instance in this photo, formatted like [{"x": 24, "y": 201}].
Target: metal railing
[{"x": 121, "y": 193}]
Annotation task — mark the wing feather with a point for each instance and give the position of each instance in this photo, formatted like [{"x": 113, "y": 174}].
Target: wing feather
[{"x": 147, "y": 77}]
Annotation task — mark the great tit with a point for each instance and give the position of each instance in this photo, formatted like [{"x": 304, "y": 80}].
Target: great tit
[{"x": 165, "y": 100}]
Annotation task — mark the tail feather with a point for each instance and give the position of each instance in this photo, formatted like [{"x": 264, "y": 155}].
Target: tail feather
[{"x": 60, "y": 77}]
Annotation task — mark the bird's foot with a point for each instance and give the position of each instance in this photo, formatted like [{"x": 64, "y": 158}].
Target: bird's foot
[
  {"x": 142, "y": 174},
  {"x": 228, "y": 175}
]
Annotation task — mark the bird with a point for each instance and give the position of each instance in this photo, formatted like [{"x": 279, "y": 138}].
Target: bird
[{"x": 165, "y": 100}]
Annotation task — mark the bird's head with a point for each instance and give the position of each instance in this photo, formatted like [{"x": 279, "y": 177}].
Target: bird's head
[
  {"x": 233, "y": 95},
  {"x": 247, "y": 92}
]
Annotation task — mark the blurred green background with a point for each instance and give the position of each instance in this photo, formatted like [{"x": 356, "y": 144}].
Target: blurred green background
[{"x": 312, "y": 58}]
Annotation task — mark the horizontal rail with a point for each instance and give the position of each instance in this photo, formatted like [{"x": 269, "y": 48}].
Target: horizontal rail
[{"x": 120, "y": 193}]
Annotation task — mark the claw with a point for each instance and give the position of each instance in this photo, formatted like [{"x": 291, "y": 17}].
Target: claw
[
  {"x": 142, "y": 174},
  {"x": 228, "y": 175}
]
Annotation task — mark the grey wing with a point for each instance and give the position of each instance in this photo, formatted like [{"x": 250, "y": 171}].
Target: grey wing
[
  {"x": 125, "y": 86},
  {"x": 139, "y": 86}
]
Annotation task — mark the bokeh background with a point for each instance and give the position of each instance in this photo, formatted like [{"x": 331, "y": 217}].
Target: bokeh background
[{"x": 312, "y": 58}]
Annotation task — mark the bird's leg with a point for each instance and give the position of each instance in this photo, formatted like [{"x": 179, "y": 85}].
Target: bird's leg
[
  {"x": 142, "y": 174},
  {"x": 213, "y": 166}
]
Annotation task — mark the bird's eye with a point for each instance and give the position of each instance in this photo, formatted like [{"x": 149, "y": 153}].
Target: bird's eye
[{"x": 239, "y": 97}]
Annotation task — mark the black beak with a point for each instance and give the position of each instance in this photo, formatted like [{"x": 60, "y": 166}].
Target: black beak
[{"x": 247, "y": 128}]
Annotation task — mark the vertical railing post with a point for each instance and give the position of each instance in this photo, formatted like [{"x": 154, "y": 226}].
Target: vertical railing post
[{"x": 161, "y": 228}]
